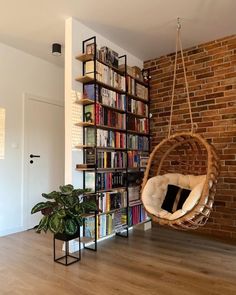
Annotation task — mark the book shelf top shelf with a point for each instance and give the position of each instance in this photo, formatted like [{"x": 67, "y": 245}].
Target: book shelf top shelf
[
  {"x": 83, "y": 57},
  {"x": 139, "y": 81}
]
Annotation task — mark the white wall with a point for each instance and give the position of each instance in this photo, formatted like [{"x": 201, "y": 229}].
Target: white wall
[
  {"x": 76, "y": 32},
  {"x": 20, "y": 73}
]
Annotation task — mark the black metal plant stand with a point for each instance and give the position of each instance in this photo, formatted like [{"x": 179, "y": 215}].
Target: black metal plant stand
[{"x": 66, "y": 259}]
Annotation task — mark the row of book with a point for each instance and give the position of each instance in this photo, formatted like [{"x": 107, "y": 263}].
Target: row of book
[
  {"x": 134, "y": 88},
  {"x": 137, "y": 107},
  {"x": 105, "y": 96},
  {"x": 109, "y": 138},
  {"x": 137, "y": 214},
  {"x": 112, "y": 99},
  {"x": 136, "y": 159},
  {"x": 111, "y": 159},
  {"x": 138, "y": 125},
  {"x": 105, "y": 75},
  {"x": 108, "y": 117},
  {"x": 105, "y": 138},
  {"x": 137, "y": 142},
  {"x": 107, "y": 224},
  {"x": 112, "y": 200},
  {"x": 105, "y": 54},
  {"x": 110, "y": 180}
]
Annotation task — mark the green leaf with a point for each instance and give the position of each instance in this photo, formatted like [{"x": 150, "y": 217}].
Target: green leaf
[
  {"x": 78, "y": 209},
  {"x": 50, "y": 196},
  {"x": 55, "y": 223},
  {"x": 89, "y": 205},
  {"x": 61, "y": 213},
  {"x": 38, "y": 207},
  {"x": 66, "y": 189},
  {"x": 69, "y": 201},
  {"x": 71, "y": 227},
  {"x": 62, "y": 226},
  {"x": 71, "y": 213},
  {"x": 43, "y": 224},
  {"x": 79, "y": 220}
]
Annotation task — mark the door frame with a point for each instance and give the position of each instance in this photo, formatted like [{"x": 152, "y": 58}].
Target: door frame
[{"x": 24, "y": 189}]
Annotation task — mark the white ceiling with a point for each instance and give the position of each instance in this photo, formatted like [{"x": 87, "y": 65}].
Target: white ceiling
[{"x": 145, "y": 28}]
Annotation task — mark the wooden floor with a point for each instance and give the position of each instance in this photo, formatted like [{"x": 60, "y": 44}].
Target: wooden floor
[{"x": 158, "y": 261}]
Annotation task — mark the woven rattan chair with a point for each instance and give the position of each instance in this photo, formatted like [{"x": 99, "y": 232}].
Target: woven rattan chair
[{"x": 188, "y": 154}]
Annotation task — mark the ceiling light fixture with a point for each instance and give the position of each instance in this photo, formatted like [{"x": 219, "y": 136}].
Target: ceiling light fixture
[{"x": 56, "y": 49}]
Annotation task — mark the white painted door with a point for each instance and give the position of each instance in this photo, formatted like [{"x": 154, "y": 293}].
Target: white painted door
[{"x": 44, "y": 137}]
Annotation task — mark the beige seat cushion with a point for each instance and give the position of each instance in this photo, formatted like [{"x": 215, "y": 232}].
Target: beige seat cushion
[{"x": 155, "y": 190}]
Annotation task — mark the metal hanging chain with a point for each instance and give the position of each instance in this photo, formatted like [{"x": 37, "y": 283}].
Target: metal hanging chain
[{"x": 179, "y": 44}]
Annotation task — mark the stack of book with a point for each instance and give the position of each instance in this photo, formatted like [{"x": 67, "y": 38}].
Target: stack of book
[
  {"x": 137, "y": 107},
  {"x": 109, "y": 138},
  {"x": 111, "y": 159},
  {"x": 137, "y": 214},
  {"x": 110, "y": 118},
  {"x": 105, "y": 74},
  {"x": 138, "y": 125},
  {"x": 112, "y": 99},
  {"x": 141, "y": 91},
  {"x": 112, "y": 200},
  {"x": 137, "y": 142},
  {"x": 110, "y": 180}
]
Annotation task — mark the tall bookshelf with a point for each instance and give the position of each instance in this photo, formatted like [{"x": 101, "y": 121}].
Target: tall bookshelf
[{"x": 116, "y": 140}]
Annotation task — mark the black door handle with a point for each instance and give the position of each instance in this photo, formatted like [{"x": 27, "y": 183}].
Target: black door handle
[{"x": 34, "y": 156}]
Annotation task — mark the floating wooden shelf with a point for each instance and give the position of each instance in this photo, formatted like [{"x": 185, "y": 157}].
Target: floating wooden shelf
[
  {"x": 84, "y": 57},
  {"x": 137, "y": 115},
  {"x": 87, "y": 57},
  {"x": 137, "y": 97},
  {"x": 84, "y": 101}
]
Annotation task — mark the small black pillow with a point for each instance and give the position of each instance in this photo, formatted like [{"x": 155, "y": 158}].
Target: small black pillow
[
  {"x": 183, "y": 196},
  {"x": 169, "y": 200},
  {"x": 170, "y": 197}
]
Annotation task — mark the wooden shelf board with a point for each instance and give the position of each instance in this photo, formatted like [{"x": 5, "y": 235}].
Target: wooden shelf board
[
  {"x": 113, "y": 108},
  {"x": 137, "y": 97},
  {"x": 84, "y": 57},
  {"x": 112, "y": 189},
  {"x": 84, "y": 124},
  {"x": 85, "y": 79},
  {"x": 136, "y": 115},
  {"x": 138, "y": 133},
  {"x": 84, "y": 101},
  {"x": 84, "y": 146}
]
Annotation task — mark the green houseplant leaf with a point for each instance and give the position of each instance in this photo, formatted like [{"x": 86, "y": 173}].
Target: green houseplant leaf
[
  {"x": 40, "y": 206},
  {"x": 71, "y": 227},
  {"x": 63, "y": 212}
]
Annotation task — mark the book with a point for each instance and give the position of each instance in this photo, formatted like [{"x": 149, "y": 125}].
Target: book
[
  {"x": 90, "y": 180},
  {"x": 89, "y": 136},
  {"x": 90, "y": 156},
  {"x": 90, "y": 91},
  {"x": 89, "y": 113}
]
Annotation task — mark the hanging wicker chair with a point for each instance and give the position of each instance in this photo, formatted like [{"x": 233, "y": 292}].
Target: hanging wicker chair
[{"x": 187, "y": 160}]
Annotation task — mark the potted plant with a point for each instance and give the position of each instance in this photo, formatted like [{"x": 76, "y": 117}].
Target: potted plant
[{"x": 63, "y": 211}]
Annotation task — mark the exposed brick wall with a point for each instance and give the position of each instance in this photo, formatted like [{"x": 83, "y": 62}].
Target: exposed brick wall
[{"x": 211, "y": 74}]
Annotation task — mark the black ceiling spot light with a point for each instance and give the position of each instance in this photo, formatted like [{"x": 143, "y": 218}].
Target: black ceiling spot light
[{"x": 56, "y": 49}]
